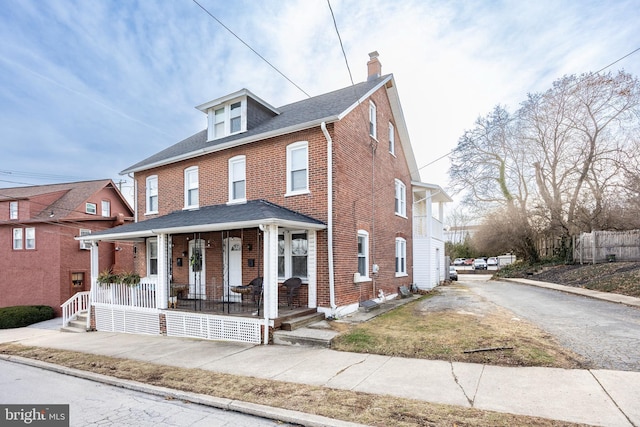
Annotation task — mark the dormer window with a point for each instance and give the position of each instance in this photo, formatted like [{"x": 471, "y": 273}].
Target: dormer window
[{"x": 227, "y": 119}]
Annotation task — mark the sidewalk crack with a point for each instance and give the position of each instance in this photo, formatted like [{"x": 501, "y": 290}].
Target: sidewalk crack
[
  {"x": 455, "y": 378},
  {"x": 612, "y": 399}
]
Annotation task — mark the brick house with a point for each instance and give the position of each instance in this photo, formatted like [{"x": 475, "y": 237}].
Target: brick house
[
  {"x": 43, "y": 263},
  {"x": 322, "y": 190}
]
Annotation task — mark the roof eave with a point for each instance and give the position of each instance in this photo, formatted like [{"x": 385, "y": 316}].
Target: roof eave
[{"x": 234, "y": 143}]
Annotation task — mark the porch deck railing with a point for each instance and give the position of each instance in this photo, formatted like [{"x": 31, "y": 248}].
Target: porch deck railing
[
  {"x": 142, "y": 295},
  {"x": 74, "y": 305}
]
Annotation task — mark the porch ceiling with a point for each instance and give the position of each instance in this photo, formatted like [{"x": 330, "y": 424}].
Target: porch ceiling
[{"x": 210, "y": 218}]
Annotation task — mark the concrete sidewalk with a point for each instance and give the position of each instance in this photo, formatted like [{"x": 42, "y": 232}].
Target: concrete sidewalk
[{"x": 597, "y": 397}]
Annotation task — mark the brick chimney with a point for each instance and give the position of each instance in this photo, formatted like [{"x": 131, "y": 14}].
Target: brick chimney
[{"x": 374, "y": 67}]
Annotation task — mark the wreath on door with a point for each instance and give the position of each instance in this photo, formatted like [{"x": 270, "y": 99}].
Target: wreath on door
[{"x": 196, "y": 260}]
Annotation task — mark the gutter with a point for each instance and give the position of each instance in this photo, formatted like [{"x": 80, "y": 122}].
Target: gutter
[{"x": 332, "y": 290}]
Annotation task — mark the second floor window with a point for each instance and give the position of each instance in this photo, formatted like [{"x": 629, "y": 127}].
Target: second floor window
[
  {"x": 30, "y": 238},
  {"x": 191, "y": 198},
  {"x": 106, "y": 208},
  {"x": 13, "y": 210},
  {"x": 152, "y": 194},
  {"x": 91, "y": 208},
  {"x": 18, "y": 240},
  {"x": 401, "y": 198},
  {"x": 24, "y": 238},
  {"x": 237, "y": 179},
  {"x": 298, "y": 168}
]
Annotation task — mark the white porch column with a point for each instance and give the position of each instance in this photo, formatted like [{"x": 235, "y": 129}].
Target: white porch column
[
  {"x": 270, "y": 283},
  {"x": 312, "y": 273},
  {"x": 95, "y": 266},
  {"x": 429, "y": 214},
  {"x": 162, "y": 286}
]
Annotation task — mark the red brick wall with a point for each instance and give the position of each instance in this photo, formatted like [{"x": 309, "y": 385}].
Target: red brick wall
[{"x": 363, "y": 197}]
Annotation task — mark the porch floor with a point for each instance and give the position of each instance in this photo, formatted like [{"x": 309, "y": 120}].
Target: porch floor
[{"x": 235, "y": 308}]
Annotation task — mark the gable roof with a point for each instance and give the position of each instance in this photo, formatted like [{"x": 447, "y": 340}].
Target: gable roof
[
  {"x": 300, "y": 115},
  {"x": 64, "y": 198},
  {"x": 211, "y": 218}
]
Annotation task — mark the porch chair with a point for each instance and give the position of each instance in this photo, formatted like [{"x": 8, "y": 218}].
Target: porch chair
[
  {"x": 292, "y": 284},
  {"x": 256, "y": 289}
]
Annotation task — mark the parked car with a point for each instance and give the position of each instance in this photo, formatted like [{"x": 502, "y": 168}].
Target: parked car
[
  {"x": 479, "y": 264},
  {"x": 492, "y": 261},
  {"x": 468, "y": 261},
  {"x": 458, "y": 261},
  {"x": 453, "y": 273}
]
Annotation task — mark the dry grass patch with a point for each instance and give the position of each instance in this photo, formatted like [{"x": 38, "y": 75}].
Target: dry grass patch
[
  {"x": 374, "y": 410},
  {"x": 409, "y": 331}
]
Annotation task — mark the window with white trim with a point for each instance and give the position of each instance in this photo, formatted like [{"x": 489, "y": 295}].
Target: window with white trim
[
  {"x": 392, "y": 139},
  {"x": 91, "y": 208},
  {"x": 30, "y": 238},
  {"x": 106, "y": 208},
  {"x": 191, "y": 199},
  {"x": 363, "y": 254},
  {"x": 373, "y": 131},
  {"x": 85, "y": 244},
  {"x": 400, "y": 198},
  {"x": 227, "y": 119},
  {"x": 18, "y": 240},
  {"x": 152, "y": 194},
  {"x": 152, "y": 256},
  {"x": 401, "y": 256},
  {"x": 293, "y": 252},
  {"x": 298, "y": 168},
  {"x": 237, "y": 179},
  {"x": 13, "y": 210}
]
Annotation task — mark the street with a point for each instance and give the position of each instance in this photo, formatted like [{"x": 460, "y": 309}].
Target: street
[
  {"x": 605, "y": 333},
  {"x": 93, "y": 404}
]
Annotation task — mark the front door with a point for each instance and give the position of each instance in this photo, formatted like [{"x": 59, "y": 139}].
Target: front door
[
  {"x": 197, "y": 269},
  {"x": 232, "y": 257}
]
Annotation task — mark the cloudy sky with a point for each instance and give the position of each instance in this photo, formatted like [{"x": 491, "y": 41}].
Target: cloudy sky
[{"x": 90, "y": 87}]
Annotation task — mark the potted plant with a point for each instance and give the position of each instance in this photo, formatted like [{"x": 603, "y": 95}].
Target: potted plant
[
  {"x": 107, "y": 277},
  {"x": 130, "y": 279}
]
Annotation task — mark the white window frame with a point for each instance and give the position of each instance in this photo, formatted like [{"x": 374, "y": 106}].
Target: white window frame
[
  {"x": 401, "y": 257},
  {"x": 152, "y": 241},
  {"x": 30, "y": 238},
  {"x": 13, "y": 210},
  {"x": 286, "y": 237},
  {"x": 400, "y": 199},
  {"x": 18, "y": 239},
  {"x": 85, "y": 244},
  {"x": 225, "y": 119},
  {"x": 105, "y": 208},
  {"x": 362, "y": 234},
  {"x": 190, "y": 186},
  {"x": 291, "y": 148},
  {"x": 373, "y": 127},
  {"x": 151, "y": 186},
  {"x": 392, "y": 139},
  {"x": 91, "y": 208},
  {"x": 241, "y": 177}
]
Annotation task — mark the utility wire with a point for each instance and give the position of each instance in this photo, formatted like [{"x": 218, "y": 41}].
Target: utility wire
[
  {"x": 340, "y": 40},
  {"x": 618, "y": 60},
  {"x": 252, "y": 49}
]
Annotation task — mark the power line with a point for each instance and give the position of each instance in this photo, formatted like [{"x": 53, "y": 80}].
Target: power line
[
  {"x": 335, "y": 25},
  {"x": 252, "y": 49},
  {"x": 618, "y": 60}
]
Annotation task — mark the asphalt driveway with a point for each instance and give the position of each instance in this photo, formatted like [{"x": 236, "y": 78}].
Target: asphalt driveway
[{"x": 606, "y": 334}]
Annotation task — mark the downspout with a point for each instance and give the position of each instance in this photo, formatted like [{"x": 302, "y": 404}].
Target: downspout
[
  {"x": 135, "y": 198},
  {"x": 332, "y": 290}
]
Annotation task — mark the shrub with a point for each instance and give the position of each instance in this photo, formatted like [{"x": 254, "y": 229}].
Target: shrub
[{"x": 24, "y": 315}]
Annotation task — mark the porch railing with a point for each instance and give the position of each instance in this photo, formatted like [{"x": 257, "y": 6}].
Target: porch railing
[
  {"x": 74, "y": 305},
  {"x": 142, "y": 295}
]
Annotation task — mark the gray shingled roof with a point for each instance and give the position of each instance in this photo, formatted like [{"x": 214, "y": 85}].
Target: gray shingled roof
[
  {"x": 309, "y": 110},
  {"x": 251, "y": 212}
]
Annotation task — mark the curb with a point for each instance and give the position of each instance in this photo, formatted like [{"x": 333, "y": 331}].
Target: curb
[
  {"x": 604, "y": 296},
  {"x": 276, "y": 414}
]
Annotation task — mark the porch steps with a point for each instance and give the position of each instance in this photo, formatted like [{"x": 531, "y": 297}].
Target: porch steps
[
  {"x": 307, "y": 330},
  {"x": 79, "y": 324}
]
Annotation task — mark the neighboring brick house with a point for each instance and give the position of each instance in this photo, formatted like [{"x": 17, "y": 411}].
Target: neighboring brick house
[
  {"x": 43, "y": 263},
  {"x": 320, "y": 189}
]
